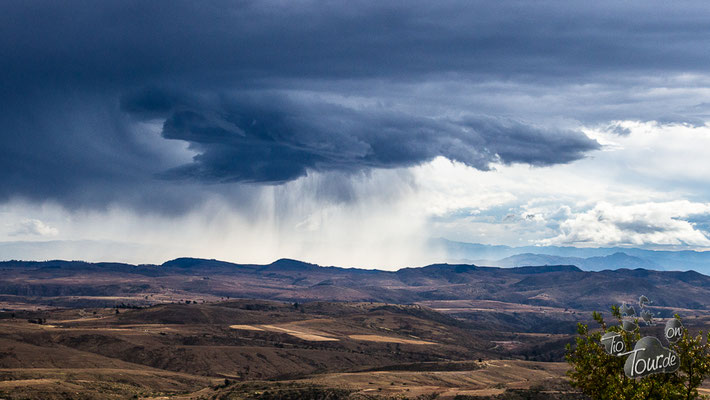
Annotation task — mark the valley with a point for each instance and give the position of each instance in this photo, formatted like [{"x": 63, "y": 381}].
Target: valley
[{"x": 204, "y": 329}]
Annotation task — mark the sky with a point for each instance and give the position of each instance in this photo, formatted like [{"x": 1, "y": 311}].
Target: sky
[{"x": 350, "y": 133}]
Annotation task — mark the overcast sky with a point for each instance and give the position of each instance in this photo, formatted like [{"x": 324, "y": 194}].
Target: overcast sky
[{"x": 350, "y": 133}]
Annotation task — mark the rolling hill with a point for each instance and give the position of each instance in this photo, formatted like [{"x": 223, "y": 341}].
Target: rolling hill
[
  {"x": 64, "y": 283},
  {"x": 193, "y": 328}
]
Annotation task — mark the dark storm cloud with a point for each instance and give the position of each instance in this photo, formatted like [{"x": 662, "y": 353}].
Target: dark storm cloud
[
  {"x": 76, "y": 76},
  {"x": 272, "y": 139},
  {"x": 134, "y": 40}
]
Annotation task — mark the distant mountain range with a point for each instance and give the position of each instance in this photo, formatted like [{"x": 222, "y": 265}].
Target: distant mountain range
[
  {"x": 71, "y": 283},
  {"x": 590, "y": 259},
  {"x": 598, "y": 263}
]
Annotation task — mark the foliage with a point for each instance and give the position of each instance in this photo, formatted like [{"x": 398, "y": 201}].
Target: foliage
[
  {"x": 601, "y": 376},
  {"x": 265, "y": 391},
  {"x": 314, "y": 393}
]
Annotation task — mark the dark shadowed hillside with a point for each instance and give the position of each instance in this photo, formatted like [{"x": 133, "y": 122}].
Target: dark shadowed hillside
[
  {"x": 238, "y": 346},
  {"x": 290, "y": 280}
]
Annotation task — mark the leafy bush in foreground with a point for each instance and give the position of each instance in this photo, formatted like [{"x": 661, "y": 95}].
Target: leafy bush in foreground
[{"x": 601, "y": 376}]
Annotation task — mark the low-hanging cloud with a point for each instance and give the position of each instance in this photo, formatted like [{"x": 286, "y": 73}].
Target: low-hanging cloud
[
  {"x": 33, "y": 227},
  {"x": 271, "y": 139},
  {"x": 638, "y": 224}
]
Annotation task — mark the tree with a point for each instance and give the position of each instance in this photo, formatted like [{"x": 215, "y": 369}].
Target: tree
[{"x": 601, "y": 376}]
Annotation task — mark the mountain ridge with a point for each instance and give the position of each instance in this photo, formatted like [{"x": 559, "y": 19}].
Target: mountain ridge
[
  {"x": 595, "y": 258},
  {"x": 560, "y": 286}
]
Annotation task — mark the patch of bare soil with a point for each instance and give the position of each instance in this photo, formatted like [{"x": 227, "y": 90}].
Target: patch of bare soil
[
  {"x": 301, "y": 333},
  {"x": 388, "y": 339}
]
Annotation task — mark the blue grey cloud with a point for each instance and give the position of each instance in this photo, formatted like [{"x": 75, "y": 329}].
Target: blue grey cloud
[
  {"x": 103, "y": 42},
  {"x": 77, "y": 75},
  {"x": 272, "y": 139}
]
